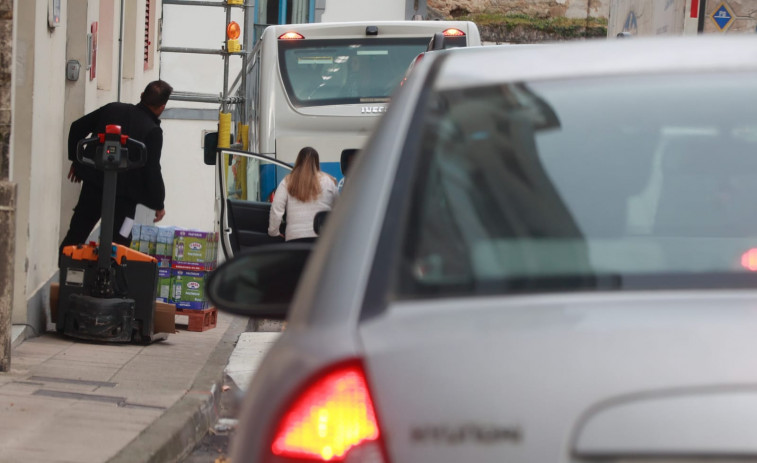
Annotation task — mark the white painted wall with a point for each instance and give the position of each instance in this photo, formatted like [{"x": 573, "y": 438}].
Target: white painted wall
[
  {"x": 36, "y": 151},
  {"x": 364, "y": 10},
  {"x": 190, "y": 184},
  {"x": 44, "y": 104}
]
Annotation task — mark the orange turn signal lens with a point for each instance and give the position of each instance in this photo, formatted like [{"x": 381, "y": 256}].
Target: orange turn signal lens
[{"x": 233, "y": 30}]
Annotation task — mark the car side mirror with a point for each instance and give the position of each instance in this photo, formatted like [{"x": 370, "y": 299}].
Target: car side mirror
[
  {"x": 319, "y": 220},
  {"x": 260, "y": 282},
  {"x": 436, "y": 43},
  {"x": 209, "y": 146}
]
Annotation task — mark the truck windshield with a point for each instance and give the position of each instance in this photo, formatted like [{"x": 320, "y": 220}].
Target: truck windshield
[
  {"x": 614, "y": 183},
  {"x": 329, "y": 72}
]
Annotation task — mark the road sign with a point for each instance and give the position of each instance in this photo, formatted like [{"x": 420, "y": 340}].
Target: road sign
[{"x": 723, "y": 16}]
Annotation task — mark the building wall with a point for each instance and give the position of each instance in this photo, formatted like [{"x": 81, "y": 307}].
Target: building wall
[
  {"x": 743, "y": 12},
  {"x": 190, "y": 184},
  {"x": 36, "y": 149},
  {"x": 7, "y": 188},
  {"x": 673, "y": 17},
  {"x": 44, "y": 104}
]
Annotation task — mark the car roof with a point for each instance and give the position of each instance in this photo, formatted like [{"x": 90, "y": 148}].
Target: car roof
[{"x": 595, "y": 58}]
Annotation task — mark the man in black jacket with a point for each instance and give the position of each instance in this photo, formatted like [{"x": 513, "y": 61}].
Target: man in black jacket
[{"x": 138, "y": 186}]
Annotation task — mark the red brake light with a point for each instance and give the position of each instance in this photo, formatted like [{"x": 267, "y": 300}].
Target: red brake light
[
  {"x": 452, "y": 32},
  {"x": 332, "y": 416},
  {"x": 749, "y": 260},
  {"x": 291, "y": 36}
]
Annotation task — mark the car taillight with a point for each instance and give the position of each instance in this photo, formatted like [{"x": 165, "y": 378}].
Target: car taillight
[
  {"x": 291, "y": 36},
  {"x": 749, "y": 260},
  {"x": 330, "y": 418},
  {"x": 452, "y": 32}
]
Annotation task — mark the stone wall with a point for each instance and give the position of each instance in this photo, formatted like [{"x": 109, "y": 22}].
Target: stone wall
[
  {"x": 6, "y": 63},
  {"x": 7, "y": 189},
  {"x": 539, "y": 8},
  {"x": 501, "y": 33}
]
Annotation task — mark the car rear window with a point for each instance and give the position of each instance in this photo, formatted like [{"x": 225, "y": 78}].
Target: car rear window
[
  {"x": 344, "y": 71},
  {"x": 612, "y": 183}
]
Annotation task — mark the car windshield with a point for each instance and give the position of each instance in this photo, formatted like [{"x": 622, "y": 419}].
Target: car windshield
[
  {"x": 624, "y": 182},
  {"x": 327, "y": 72}
]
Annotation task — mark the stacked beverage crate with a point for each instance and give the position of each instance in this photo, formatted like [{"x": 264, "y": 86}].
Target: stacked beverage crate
[
  {"x": 185, "y": 257},
  {"x": 194, "y": 256},
  {"x": 157, "y": 242}
]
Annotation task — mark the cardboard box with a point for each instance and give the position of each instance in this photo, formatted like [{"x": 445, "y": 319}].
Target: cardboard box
[
  {"x": 148, "y": 239},
  {"x": 164, "y": 285},
  {"x": 164, "y": 262},
  {"x": 164, "y": 241},
  {"x": 165, "y": 318},
  {"x": 193, "y": 266},
  {"x": 194, "y": 250},
  {"x": 135, "y": 236},
  {"x": 198, "y": 305},
  {"x": 188, "y": 289}
]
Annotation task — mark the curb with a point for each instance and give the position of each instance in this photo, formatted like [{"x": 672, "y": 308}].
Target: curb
[{"x": 174, "y": 435}]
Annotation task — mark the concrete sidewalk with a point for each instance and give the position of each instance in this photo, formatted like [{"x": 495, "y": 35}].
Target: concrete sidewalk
[{"x": 71, "y": 401}]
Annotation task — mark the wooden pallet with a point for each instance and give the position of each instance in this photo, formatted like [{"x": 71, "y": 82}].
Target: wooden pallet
[{"x": 200, "y": 320}]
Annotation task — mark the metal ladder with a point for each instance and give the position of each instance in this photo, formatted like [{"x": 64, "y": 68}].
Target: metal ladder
[{"x": 224, "y": 98}]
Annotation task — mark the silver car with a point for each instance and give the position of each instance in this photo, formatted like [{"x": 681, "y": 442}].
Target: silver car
[{"x": 544, "y": 254}]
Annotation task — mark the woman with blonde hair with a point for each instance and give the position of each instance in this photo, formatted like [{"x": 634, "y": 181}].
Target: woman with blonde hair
[{"x": 302, "y": 194}]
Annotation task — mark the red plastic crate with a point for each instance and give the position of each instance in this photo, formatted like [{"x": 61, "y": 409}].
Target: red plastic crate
[{"x": 200, "y": 320}]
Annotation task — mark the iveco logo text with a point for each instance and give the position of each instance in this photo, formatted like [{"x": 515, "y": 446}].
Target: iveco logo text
[{"x": 373, "y": 109}]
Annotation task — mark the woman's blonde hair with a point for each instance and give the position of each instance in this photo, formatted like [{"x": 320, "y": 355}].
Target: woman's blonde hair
[{"x": 304, "y": 182}]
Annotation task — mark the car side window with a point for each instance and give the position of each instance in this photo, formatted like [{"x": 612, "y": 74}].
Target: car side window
[{"x": 531, "y": 187}]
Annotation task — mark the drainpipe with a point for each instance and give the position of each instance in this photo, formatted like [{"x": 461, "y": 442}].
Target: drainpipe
[
  {"x": 120, "y": 49},
  {"x": 702, "y": 12}
]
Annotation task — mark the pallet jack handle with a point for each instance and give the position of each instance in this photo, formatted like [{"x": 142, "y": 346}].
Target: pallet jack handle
[
  {"x": 111, "y": 157},
  {"x": 113, "y": 151}
]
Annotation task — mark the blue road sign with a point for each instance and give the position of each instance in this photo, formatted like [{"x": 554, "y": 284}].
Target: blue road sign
[{"x": 722, "y": 17}]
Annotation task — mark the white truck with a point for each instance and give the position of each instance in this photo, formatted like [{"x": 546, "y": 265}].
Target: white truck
[{"x": 678, "y": 17}]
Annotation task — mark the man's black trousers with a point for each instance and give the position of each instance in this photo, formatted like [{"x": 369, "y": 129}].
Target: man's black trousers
[{"x": 87, "y": 213}]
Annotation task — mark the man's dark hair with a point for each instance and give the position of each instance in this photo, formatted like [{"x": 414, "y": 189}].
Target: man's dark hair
[{"x": 156, "y": 93}]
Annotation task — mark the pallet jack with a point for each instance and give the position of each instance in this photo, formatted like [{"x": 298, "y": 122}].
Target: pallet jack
[{"x": 107, "y": 291}]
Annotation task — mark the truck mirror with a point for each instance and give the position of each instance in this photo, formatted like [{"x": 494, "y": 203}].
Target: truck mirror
[
  {"x": 436, "y": 43},
  {"x": 209, "y": 148}
]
